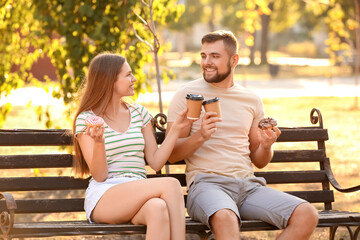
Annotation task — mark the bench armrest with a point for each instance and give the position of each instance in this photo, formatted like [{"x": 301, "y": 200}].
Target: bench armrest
[
  {"x": 333, "y": 181},
  {"x": 7, "y": 217}
]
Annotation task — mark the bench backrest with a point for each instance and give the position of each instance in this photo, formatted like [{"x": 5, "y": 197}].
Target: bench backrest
[{"x": 44, "y": 183}]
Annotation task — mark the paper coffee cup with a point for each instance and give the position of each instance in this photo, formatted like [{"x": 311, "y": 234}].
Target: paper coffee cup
[
  {"x": 194, "y": 103},
  {"x": 213, "y": 105}
]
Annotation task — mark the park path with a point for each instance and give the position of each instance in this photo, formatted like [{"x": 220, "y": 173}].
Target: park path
[
  {"x": 337, "y": 87},
  {"x": 340, "y": 87}
]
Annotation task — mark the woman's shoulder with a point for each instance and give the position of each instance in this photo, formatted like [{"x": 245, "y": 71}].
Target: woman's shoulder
[
  {"x": 85, "y": 114},
  {"x": 141, "y": 111},
  {"x": 137, "y": 107}
]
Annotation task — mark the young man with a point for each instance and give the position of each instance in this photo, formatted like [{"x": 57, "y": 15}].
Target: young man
[{"x": 219, "y": 153}]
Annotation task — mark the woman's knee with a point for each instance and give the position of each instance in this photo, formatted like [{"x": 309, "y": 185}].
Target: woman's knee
[
  {"x": 172, "y": 185},
  {"x": 156, "y": 211},
  {"x": 172, "y": 182}
]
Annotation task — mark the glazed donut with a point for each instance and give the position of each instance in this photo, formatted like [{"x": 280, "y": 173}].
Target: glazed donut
[
  {"x": 267, "y": 123},
  {"x": 94, "y": 121}
]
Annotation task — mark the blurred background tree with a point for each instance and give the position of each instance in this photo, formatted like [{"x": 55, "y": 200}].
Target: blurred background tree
[
  {"x": 342, "y": 18},
  {"x": 71, "y": 33},
  {"x": 247, "y": 16}
]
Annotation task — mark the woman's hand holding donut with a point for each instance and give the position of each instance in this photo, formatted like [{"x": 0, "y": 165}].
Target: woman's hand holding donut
[
  {"x": 95, "y": 128},
  {"x": 96, "y": 133}
]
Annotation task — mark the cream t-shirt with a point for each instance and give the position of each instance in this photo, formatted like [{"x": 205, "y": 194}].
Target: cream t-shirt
[{"x": 227, "y": 152}]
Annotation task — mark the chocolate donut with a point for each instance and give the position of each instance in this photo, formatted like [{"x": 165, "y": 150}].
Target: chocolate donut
[{"x": 267, "y": 123}]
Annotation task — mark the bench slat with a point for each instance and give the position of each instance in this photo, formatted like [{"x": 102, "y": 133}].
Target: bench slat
[
  {"x": 66, "y": 228},
  {"x": 77, "y": 204},
  {"x": 47, "y": 205},
  {"x": 315, "y": 196},
  {"x": 287, "y": 134},
  {"x": 61, "y": 137},
  {"x": 66, "y": 160},
  {"x": 42, "y": 183},
  {"x": 303, "y": 134},
  {"x": 67, "y": 183},
  {"x": 281, "y": 156},
  {"x": 273, "y": 177},
  {"x": 32, "y": 137},
  {"x": 36, "y": 161}
]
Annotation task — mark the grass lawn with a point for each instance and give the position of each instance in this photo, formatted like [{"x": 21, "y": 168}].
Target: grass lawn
[{"x": 338, "y": 117}]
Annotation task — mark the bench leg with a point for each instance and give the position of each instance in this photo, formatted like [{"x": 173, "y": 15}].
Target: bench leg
[
  {"x": 356, "y": 235},
  {"x": 351, "y": 233},
  {"x": 206, "y": 235}
]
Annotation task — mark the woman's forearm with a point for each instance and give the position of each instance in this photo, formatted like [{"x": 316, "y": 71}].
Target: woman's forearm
[
  {"x": 162, "y": 154},
  {"x": 98, "y": 166},
  {"x": 185, "y": 147}
]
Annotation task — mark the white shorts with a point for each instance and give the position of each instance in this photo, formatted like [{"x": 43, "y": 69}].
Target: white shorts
[{"x": 96, "y": 190}]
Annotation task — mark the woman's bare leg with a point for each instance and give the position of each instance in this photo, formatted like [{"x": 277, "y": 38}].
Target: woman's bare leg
[
  {"x": 122, "y": 202},
  {"x": 155, "y": 215}
]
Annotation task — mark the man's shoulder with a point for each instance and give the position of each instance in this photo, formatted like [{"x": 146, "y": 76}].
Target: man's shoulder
[
  {"x": 192, "y": 83},
  {"x": 190, "y": 86},
  {"x": 239, "y": 87}
]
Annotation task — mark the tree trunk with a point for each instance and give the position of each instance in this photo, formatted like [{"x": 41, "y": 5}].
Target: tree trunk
[
  {"x": 252, "y": 51},
  {"x": 357, "y": 51},
  {"x": 265, "y": 21},
  {"x": 181, "y": 44},
  {"x": 211, "y": 22}
]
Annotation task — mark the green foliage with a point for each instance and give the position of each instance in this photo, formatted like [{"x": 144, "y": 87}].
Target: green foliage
[
  {"x": 285, "y": 14},
  {"x": 341, "y": 23},
  {"x": 16, "y": 33},
  {"x": 192, "y": 15},
  {"x": 71, "y": 33},
  {"x": 241, "y": 15}
]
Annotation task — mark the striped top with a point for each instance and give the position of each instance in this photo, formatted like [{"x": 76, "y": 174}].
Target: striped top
[{"x": 124, "y": 150}]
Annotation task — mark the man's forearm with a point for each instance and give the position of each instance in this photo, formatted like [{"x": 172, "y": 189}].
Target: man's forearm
[
  {"x": 185, "y": 147},
  {"x": 261, "y": 157}
]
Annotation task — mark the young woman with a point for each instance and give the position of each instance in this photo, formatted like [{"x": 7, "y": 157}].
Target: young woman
[{"x": 114, "y": 154}]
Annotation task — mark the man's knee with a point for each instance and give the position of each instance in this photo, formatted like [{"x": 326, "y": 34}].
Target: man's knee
[
  {"x": 305, "y": 215},
  {"x": 225, "y": 224},
  {"x": 224, "y": 217}
]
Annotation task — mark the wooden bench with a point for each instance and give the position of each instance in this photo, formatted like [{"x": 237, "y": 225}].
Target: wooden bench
[{"x": 40, "y": 183}]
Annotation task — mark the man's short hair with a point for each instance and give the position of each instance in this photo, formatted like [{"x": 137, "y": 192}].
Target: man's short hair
[{"x": 230, "y": 41}]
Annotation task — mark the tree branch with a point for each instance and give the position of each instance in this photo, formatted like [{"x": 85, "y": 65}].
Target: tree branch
[
  {"x": 145, "y": 22},
  {"x": 142, "y": 40},
  {"x": 144, "y": 3}
]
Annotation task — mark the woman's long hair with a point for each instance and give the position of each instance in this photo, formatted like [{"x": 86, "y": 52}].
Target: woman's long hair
[{"x": 96, "y": 94}]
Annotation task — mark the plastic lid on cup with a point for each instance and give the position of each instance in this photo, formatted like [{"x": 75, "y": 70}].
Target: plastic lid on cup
[
  {"x": 211, "y": 101},
  {"x": 195, "y": 97}
]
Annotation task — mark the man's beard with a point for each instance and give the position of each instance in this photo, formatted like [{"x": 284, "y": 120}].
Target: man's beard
[{"x": 219, "y": 77}]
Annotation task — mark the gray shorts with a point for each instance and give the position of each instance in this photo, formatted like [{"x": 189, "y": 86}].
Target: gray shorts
[{"x": 248, "y": 198}]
